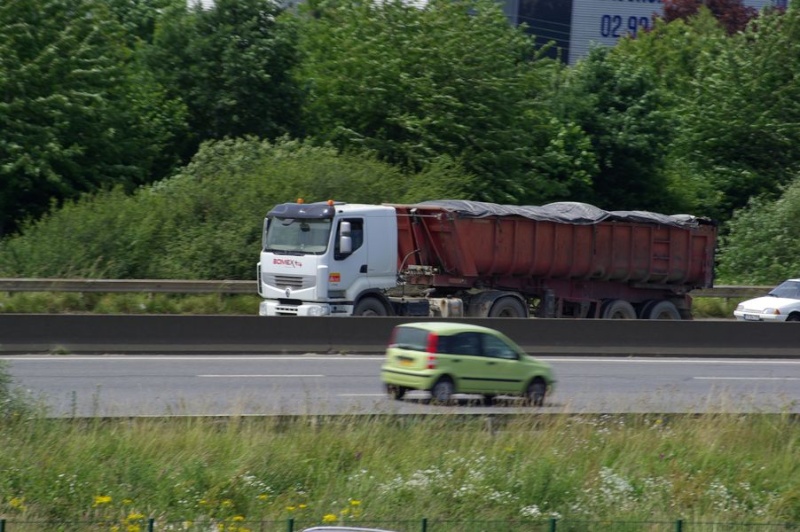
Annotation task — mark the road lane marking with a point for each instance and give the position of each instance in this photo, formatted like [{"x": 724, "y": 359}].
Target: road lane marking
[
  {"x": 747, "y": 378},
  {"x": 243, "y": 376}
]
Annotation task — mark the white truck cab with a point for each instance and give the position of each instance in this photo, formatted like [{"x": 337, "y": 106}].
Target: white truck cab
[{"x": 319, "y": 259}]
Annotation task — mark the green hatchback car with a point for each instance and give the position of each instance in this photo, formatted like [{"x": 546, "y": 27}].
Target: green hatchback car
[{"x": 446, "y": 358}]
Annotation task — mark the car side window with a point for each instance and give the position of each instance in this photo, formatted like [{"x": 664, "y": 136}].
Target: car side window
[
  {"x": 464, "y": 344},
  {"x": 496, "y": 348}
]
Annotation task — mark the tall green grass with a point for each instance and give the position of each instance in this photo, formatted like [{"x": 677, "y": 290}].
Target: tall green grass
[
  {"x": 136, "y": 303},
  {"x": 133, "y": 303},
  {"x": 362, "y": 468}
]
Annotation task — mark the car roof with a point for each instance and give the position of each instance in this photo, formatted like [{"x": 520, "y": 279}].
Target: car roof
[{"x": 448, "y": 327}]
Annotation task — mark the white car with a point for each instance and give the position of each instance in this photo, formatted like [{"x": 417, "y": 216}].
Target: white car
[{"x": 782, "y": 303}]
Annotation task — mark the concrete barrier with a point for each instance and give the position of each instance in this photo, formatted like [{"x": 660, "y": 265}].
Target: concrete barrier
[{"x": 59, "y": 333}]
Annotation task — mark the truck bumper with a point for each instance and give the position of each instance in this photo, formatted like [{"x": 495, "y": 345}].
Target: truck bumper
[{"x": 275, "y": 308}]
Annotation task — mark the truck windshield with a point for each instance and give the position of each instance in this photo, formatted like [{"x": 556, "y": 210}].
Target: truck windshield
[{"x": 293, "y": 236}]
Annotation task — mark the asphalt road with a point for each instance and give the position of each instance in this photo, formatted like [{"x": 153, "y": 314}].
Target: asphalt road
[{"x": 152, "y": 385}]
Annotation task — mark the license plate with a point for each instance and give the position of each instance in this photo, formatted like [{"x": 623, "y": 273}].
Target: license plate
[
  {"x": 751, "y": 317},
  {"x": 406, "y": 362}
]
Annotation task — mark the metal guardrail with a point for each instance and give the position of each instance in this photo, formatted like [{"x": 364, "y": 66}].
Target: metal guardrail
[
  {"x": 247, "y": 287},
  {"x": 128, "y": 285}
]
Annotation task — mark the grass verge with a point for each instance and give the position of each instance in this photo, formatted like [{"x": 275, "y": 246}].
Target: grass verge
[{"x": 355, "y": 469}]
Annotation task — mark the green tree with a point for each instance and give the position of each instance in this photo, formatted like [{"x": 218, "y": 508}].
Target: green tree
[
  {"x": 450, "y": 80},
  {"x": 230, "y": 65},
  {"x": 741, "y": 135},
  {"x": 672, "y": 56},
  {"x": 205, "y": 222},
  {"x": 619, "y": 106},
  {"x": 761, "y": 245},
  {"x": 77, "y": 114}
]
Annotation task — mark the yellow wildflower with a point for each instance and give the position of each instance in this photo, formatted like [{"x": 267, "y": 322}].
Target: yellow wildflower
[
  {"x": 17, "y": 503},
  {"x": 354, "y": 502},
  {"x": 99, "y": 500},
  {"x": 237, "y": 518},
  {"x": 135, "y": 516},
  {"x": 302, "y": 506},
  {"x": 291, "y": 508},
  {"x": 263, "y": 497},
  {"x": 134, "y": 528},
  {"x": 227, "y": 503},
  {"x": 329, "y": 518}
]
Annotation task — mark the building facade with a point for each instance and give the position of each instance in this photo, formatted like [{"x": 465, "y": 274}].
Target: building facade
[{"x": 574, "y": 26}]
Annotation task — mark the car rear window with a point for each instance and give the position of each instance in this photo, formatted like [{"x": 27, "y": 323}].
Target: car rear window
[{"x": 411, "y": 338}]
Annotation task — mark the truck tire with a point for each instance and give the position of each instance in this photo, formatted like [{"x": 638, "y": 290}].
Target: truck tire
[
  {"x": 370, "y": 307},
  {"x": 508, "y": 307},
  {"x": 617, "y": 309},
  {"x": 662, "y": 310}
]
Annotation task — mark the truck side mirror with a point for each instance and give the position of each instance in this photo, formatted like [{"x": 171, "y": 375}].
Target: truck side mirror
[{"x": 345, "y": 240}]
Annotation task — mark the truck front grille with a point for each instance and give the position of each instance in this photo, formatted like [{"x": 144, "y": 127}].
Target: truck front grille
[{"x": 295, "y": 282}]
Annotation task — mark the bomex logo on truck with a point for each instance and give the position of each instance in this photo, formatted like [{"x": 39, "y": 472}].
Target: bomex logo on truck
[{"x": 288, "y": 262}]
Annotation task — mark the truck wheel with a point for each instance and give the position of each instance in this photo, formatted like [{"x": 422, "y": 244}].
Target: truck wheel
[
  {"x": 442, "y": 392},
  {"x": 508, "y": 307},
  {"x": 536, "y": 392},
  {"x": 617, "y": 309},
  {"x": 663, "y": 310},
  {"x": 369, "y": 306}
]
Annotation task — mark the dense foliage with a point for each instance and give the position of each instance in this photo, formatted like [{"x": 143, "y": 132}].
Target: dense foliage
[
  {"x": 143, "y": 138},
  {"x": 185, "y": 227}
]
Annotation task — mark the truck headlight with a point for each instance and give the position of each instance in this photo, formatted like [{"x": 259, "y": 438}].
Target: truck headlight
[{"x": 318, "y": 311}]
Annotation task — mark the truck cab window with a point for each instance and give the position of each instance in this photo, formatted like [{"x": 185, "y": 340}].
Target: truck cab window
[{"x": 356, "y": 237}]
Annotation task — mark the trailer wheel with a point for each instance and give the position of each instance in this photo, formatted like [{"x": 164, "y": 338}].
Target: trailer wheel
[
  {"x": 663, "y": 310},
  {"x": 617, "y": 309},
  {"x": 508, "y": 307},
  {"x": 368, "y": 307}
]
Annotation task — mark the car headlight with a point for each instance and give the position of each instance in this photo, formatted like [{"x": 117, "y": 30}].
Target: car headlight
[
  {"x": 774, "y": 311},
  {"x": 740, "y": 307}
]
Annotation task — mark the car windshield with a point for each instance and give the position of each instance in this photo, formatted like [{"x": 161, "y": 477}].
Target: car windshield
[
  {"x": 297, "y": 236},
  {"x": 787, "y": 289}
]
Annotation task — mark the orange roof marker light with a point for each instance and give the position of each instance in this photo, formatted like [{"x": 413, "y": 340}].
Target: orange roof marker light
[
  {"x": 300, "y": 200},
  {"x": 330, "y": 203}
]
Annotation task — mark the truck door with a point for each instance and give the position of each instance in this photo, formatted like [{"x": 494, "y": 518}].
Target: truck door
[{"x": 348, "y": 268}]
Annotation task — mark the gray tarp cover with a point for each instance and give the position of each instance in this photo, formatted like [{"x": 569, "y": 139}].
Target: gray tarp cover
[{"x": 564, "y": 212}]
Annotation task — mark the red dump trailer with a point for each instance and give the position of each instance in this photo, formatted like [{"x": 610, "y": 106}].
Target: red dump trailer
[{"x": 559, "y": 260}]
